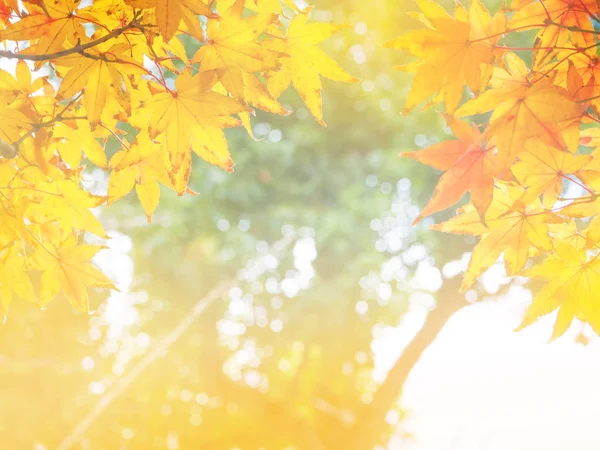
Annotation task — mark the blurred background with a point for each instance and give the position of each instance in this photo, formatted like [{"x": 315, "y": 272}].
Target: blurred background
[{"x": 285, "y": 306}]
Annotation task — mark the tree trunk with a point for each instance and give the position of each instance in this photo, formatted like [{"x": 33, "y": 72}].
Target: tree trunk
[{"x": 370, "y": 426}]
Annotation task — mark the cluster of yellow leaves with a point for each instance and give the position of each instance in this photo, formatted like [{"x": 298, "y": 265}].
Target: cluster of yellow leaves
[
  {"x": 107, "y": 63},
  {"x": 532, "y": 162}
]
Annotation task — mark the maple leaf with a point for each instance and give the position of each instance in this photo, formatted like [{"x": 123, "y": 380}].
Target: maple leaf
[
  {"x": 141, "y": 166},
  {"x": 568, "y": 232},
  {"x": 573, "y": 282},
  {"x": 468, "y": 165},
  {"x": 564, "y": 15},
  {"x": 193, "y": 114},
  {"x": 50, "y": 28},
  {"x": 583, "y": 96},
  {"x": 170, "y": 13},
  {"x": 21, "y": 84},
  {"x": 536, "y": 115},
  {"x": 305, "y": 63},
  {"x": 233, "y": 54},
  {"x": 98, "y": 78},
  {"x": 246, "y": 87},
  {"x": 523, "y": 110},
  {"x": 6, "y": 9},
  {"x": 12, "y": 121},
  {"x": 70, "y": 142},
  {"x": 512, "y": 234},
  {"x": 163, "y": 54},
  {"x": 452, "y": 51},
  {"x": 557, "y": 60},
  {"x": 69, "y": 205},
  {"x": 67, "y": 268},
  {"x": 586, "y": 63},
  {"x": 14, "y": 277},
  {"x": 590, "y": 174},
  {"x": 108, "y": 71},
  {"x": 231, "y": 42},
  {"x": 542, "y": 169}
]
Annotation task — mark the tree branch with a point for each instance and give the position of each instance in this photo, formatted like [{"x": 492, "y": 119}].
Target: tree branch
[
  {"x": 79, "y": 48},
  {"x": 370, "y": 425}
]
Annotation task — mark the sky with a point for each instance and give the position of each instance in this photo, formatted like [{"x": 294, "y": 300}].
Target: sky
[{"x": 482, "y": 386}]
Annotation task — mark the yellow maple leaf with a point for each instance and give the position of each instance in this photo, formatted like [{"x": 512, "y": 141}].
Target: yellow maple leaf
[
  {"x": 512, "y": 234},
  {"x": 193, "y": 114},
  {"x": 99, "y": 78},
  {"x": 67, "y": 268},
  {"x": 246, "y": 87},
  {"x": 108, "y": 68},
  {"x": 233, "y": 54},
  {"x": 70, "y": 142},
  {"x": 541, "y": 169},
  {"x": 568, "y": 232},
  {"x": 573, "y": 285},
  {"x": 141, "y": 166},
  {"x": 232, "y": 42},
  {"x": 22, "y": 84},
  {"x": 523, "y": 110},
  {"x": 170, "y": 13},
  {"x": 452, "y": 51},
  {"x": 12, "y": 121},
  {"x": 66, "y": 203},
  {"x": 51, "y": 28},
  {"x": 306, "y": 62},
  {"x": 14, "y": 278}
]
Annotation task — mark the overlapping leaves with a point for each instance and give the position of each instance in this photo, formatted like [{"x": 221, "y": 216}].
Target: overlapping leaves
[
  {"x": 538, "y": 113},
  {"x": 115, "y": 65}
]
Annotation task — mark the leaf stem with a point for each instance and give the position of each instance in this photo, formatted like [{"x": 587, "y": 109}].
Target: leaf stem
[
  {"x": 578, "y": 183},
  {"x": 116, "y": 136}
]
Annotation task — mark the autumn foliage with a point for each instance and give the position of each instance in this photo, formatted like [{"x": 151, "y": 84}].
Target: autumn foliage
[
  {"x": 528, "y": 154},
  {"x": 119, "y": 70},
  {"x": 524, "y": 120}
]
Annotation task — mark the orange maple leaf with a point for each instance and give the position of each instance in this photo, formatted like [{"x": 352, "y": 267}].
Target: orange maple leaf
[
  {"x": 568, "y": 14},
  {"x": 469, "y": 166}
]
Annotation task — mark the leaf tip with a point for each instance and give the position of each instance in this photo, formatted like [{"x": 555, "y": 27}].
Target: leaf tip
[{"x": 525, "y": 323}]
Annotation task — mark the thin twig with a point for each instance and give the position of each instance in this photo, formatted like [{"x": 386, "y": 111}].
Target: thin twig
[{"x": 79, "y": 48}]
